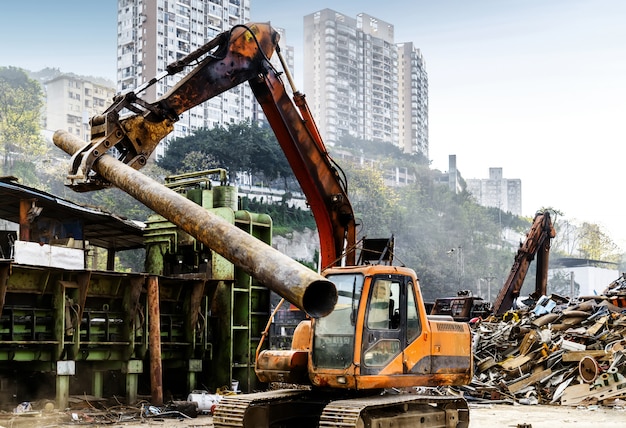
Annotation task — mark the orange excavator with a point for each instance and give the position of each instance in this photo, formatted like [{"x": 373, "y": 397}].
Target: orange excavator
[{"x": 359, "y": 366}]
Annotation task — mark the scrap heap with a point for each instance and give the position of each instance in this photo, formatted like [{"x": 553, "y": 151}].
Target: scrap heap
[{"x": 559, "y": 351}]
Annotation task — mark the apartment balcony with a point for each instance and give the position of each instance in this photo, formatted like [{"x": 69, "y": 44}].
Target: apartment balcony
[{"x": 182, "y": 47}]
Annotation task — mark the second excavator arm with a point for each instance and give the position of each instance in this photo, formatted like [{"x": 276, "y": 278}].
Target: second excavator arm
[
  {"x": 135, "y": 127},
  {"x": 537, "y": 244}
]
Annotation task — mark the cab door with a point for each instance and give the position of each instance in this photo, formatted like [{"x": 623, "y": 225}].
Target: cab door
[
  {"x": 384, "y": 326},
  {"x": 416, "y": 350}
]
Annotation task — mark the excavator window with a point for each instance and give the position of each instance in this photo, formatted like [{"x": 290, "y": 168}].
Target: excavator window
[
  {"x": 382, "y": 352},
  {"x": 333, "y": 345},
  {"x": 382, "y": 340},
  {"x": 413, "y": 326},
  {"x": 383, "y": 304}
]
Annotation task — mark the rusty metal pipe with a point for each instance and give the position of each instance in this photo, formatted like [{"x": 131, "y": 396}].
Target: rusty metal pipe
[
  {"x": 154, "y": 341},
  {"x": 298, "y": 284}
]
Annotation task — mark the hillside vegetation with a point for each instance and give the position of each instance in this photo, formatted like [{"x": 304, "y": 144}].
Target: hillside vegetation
[{"x": 452, "y": 242}]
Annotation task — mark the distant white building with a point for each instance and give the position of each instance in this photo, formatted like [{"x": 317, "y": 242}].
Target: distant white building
[
  {"x": 71, "y": 100},
  {"x": 587, "y": 279},
  {"x": 497, "y": 191},
  {"x": 413, "y": 94},
  {"x": 592, "y": 280}
]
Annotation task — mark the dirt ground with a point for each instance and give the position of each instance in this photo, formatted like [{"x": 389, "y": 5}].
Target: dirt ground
[
  {"x": 506, "y": 415},
  {"x": 481, "y": 416}
]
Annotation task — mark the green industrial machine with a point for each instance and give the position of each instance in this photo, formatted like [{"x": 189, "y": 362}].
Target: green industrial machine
[
  {"x": 230, "y": 319},
  {"x": 69, "y": 328}
]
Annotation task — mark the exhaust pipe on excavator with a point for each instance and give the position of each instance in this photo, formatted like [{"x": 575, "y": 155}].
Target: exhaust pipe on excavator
[{"x": 298, "y": 284}]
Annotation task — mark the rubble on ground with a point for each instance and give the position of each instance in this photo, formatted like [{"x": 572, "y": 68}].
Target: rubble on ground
[
  {"x": 89, "y": 410},
  {"x": 556, "y": 351}
]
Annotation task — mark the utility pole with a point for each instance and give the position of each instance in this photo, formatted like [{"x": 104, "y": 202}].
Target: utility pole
[{"x": 488, "y": 280}]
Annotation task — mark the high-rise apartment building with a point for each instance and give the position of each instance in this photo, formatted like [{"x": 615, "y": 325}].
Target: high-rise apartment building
[
  {"x": 71, "y": 100},
  {"x": 498, "y": 192},
  {"x": 154, "y": 33},
  {"x": 413, "y": 93},
  {"x": 361, "y": 84}
]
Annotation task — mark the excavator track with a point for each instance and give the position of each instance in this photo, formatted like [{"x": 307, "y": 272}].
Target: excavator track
[
  {"x": 264, "y": 409},
  {"x": 398, "y": 411},
  {"x": 304, "y": 409}
]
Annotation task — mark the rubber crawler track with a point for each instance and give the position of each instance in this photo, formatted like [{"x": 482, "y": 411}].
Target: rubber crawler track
[
  {"x": 230, "y": 412},
  {"x": 346, "y": 413}
]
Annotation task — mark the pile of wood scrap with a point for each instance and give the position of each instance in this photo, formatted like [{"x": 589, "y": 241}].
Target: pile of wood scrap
[{"x": 557, "y": 351}]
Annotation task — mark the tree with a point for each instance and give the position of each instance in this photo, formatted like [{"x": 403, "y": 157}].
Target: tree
[
  {"x": 20, "y": 109},
  {"x": 563, "y": 283},
  {"x": 243, "y": 147},
  {"x": 596, "y": 245},
  {"x": 382, "y": 150},
  {"x": 375, "y": 205},
  {"x": 197, "y": 161}
]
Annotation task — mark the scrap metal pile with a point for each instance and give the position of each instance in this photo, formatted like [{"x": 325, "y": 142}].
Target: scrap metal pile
[{"x": 557, "y": 351}]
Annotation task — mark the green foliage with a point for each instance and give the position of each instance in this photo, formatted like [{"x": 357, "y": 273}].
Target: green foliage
[
  {"x": 375, "y": 205},
  {"x": 371, "y": 148},
  {"x": 20, "y": 107},
  {"x": 242, "y": 147},
  {"x": 506, "y": 220},
  {"x": 26, "y": 171},
  {"x": 197, "y": 161},
  {"x": 596, "y": 245},
  {"x": 130, "y": 260},
  {"x": 450, "y": 241},
  {"x": 120, "y": 203},
  {"x": 384, "y": 152},
  {"x": 285, "y": 218}
]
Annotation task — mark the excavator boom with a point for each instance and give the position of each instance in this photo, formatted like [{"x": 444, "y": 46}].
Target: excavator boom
[
  {"x": 375, "y": 335},
  {"x": 234, "y": 57}
]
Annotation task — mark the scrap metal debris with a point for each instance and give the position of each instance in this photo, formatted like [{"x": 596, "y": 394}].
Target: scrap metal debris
[
  {"x": 556, "y": 351},
  {"x": 89, "y": 410}
]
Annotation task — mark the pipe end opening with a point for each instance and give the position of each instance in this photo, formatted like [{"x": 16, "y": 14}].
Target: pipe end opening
[{"x": 319, "y": 298}]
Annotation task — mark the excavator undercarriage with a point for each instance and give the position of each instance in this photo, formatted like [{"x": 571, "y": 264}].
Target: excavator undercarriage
[{"x": 312, "y": 409}]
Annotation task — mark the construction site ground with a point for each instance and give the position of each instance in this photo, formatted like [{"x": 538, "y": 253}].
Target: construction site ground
[{"x": 481, "y": 416}]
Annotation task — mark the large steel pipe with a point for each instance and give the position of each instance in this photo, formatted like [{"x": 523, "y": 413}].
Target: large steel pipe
[{"x": 298, "y": 284}]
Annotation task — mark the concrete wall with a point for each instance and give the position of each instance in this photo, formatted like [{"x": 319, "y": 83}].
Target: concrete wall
[{"x": 592, "y": 280}]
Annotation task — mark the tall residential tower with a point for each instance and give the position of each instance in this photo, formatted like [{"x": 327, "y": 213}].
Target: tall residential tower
[
  {"x": 413, "y": 102},
  {"x": 361, "y": 84},
  {"x": 154, "y": 33}
]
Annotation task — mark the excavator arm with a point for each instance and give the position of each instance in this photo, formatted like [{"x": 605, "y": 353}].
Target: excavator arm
[
  {"x": 537, "y": 244},
  {"x": 135, "y": 127}
]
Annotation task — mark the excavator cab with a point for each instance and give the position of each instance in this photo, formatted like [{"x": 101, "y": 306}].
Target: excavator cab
[
  {"x": 382, "y": 333},
  {"x": 366, "y": 332},
  {"x": 378, "y": 336}
]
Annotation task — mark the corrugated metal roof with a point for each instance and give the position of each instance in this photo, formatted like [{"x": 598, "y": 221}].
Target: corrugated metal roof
[{"x": 100, "y": 228}]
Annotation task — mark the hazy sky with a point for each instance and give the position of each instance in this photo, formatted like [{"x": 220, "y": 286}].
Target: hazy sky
[{"x": 537, "y": 87}]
